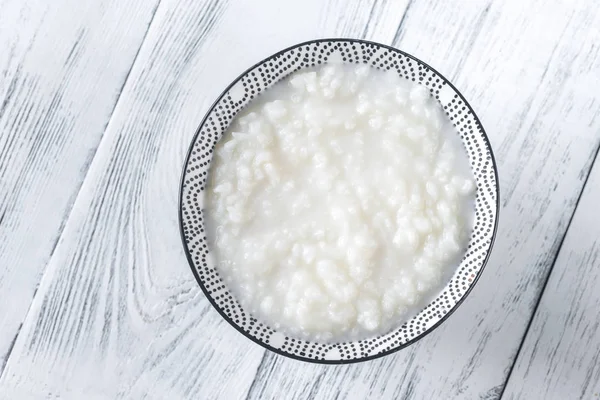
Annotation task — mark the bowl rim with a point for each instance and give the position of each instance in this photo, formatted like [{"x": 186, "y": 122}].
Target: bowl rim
[{"x": 358, "y": 359}]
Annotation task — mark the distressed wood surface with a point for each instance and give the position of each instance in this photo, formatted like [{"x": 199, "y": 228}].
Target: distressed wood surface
[
  {"x": 560, "y": 358},
  {"x": 62, "y": 66},
  {"x": 118, "y": 313}
]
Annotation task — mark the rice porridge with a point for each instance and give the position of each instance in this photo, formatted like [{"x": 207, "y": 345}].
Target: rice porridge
[{"x": 339, "y": 203}]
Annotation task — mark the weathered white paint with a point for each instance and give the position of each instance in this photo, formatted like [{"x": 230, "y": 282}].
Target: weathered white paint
[
  {"x": 63, "y": 64},
  {"x": 118, "y": 314},
  {"x": 560, "y": 358}
]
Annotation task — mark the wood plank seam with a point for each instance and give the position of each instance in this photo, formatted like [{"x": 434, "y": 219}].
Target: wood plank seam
[
  {"x": 547, "y": 278},
  {"x": 398, "y": 33},
  {"x": 61, "y": 228},
  {"x": 508, "y": 193},
  {"x": 254, "y": 381},
  {"x": 11, "y": 346},
  {"x": 371, "y": 11}
]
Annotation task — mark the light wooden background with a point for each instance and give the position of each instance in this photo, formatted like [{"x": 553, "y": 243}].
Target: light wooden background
[{"x": 99, "y": 100}]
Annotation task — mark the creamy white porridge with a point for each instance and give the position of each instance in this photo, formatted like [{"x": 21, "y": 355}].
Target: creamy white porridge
[{"x": 339, "y": 203}]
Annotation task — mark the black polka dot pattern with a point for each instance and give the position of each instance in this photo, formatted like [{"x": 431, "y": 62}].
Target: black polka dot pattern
[{"x": 264, "y": 75}]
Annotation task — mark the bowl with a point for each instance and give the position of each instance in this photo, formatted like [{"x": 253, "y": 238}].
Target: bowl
[{"x": 262, "y": 76}]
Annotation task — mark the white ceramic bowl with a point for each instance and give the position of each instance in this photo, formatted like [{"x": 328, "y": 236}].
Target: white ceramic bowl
[{"x": 260, "y": 77}]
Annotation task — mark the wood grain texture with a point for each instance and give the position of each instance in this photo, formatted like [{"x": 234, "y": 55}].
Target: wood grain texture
[
  {"x": 118, "y": 314},
  {"x": 62, "y": 66},
  {"x": 527, "y": 68},
  {"x": 560, "y": 358}
]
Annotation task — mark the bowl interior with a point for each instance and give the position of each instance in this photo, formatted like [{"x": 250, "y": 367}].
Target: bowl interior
[{"x": 262, "y": 76}]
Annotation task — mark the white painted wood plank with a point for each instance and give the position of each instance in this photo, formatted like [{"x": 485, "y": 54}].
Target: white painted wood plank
[
  {"x": 62, "y": 66},
  {"x": 118, "y": 313},
  {"x": 530, "y": 69},
  {"x": 560, "y": 358}
]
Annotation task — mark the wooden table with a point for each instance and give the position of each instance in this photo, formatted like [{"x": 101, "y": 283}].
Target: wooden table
[{"x": 99, "y": 100}]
